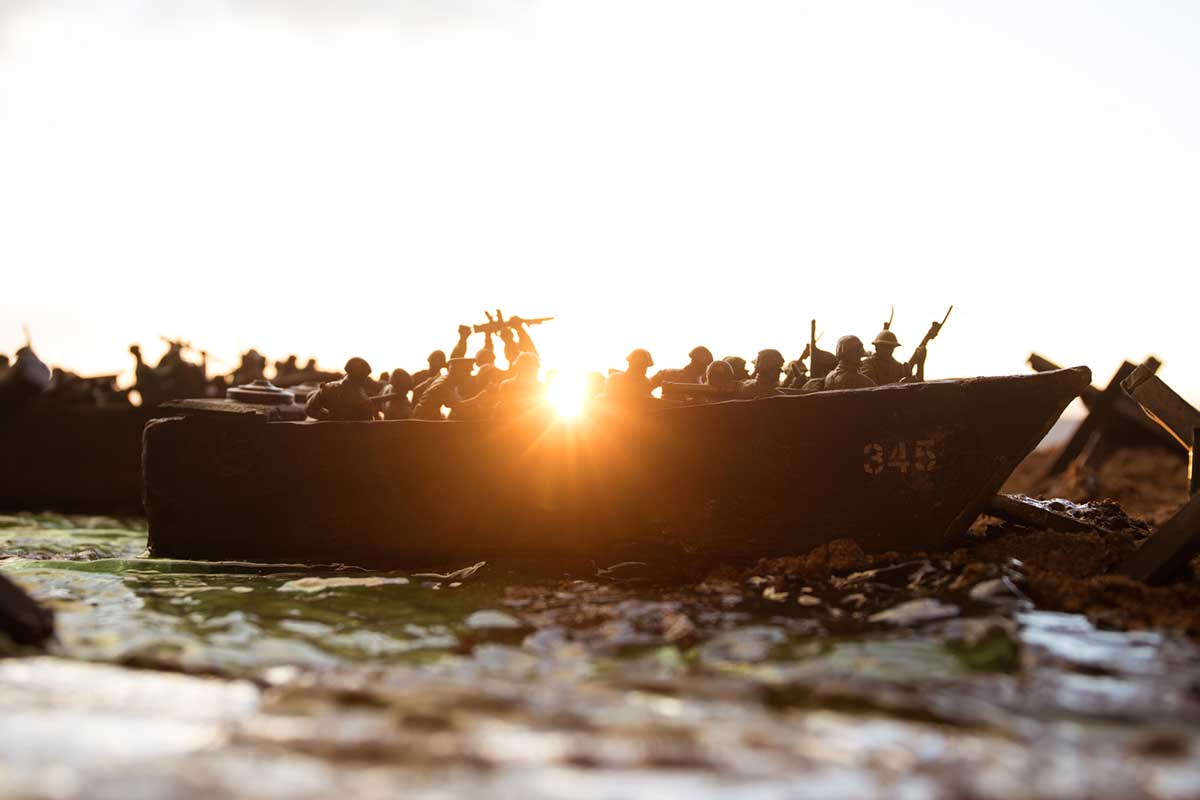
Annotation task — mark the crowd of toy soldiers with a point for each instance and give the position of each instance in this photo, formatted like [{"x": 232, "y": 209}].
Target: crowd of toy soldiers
[
  {"x": 459, "y": 386},
  {"x": 173, "y": 377},
  {"x": 463, "y": 387}
]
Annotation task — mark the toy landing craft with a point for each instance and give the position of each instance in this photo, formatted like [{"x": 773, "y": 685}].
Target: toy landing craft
[
  {"x": 69, "y": 458},
  {"x": 906, "y": 466}
]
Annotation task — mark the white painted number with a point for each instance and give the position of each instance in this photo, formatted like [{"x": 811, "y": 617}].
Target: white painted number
[
  {"x": 873, "y": 459},
  {"x": 918, "y": 456}
]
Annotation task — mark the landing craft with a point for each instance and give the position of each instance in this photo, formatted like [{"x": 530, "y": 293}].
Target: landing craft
[{"x": 905, "y": 467}]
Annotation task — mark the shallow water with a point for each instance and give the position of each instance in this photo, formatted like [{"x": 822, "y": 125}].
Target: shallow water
[{"x": 882, "y": 684}]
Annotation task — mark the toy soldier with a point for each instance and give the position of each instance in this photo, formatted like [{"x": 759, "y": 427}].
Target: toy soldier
[
  {"x": 489, "y": 376},
  {"x": 437, "y": 363},
  {"x": 145, "y": 379},
  {"x": 795, "y": 374},
  {"x": 632, "y": 385},
  {"x": 523, "y": 391},
  {"x": 719, "y": 374},
  {"x": 700, "y": 357},
  {"x": 346, "y": 399},
  {"x": 444, "y": 390},
  {"x": 287, "y": 367},
  {"x": 399, "y": 385},
  {"x": 881, "y": 366},
  {"x": 524, "y": 340},
  {"x": 847, "y": 374},
  {"x": 765, "y": 382},
  {"x": 738, "y": 364},
  {"x": 486, "y": 355},
  {"x": 511, "y": 349},
  {"x": 460, "y": 349},
  {"x": 250, "y": 370},
  {"x": 822, "y": 363}
]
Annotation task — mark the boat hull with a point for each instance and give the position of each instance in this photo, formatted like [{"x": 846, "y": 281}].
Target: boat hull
[
  {"x": 72, "y": 459},
  {"x": 896, "y": 468}
]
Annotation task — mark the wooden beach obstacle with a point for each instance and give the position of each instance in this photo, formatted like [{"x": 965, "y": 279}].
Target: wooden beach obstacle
[
  {"x": 1114, "y": 421},
  {"x": 1165, "y": 556}
]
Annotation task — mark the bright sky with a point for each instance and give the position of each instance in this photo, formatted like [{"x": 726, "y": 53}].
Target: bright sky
[{"x": 339, "y": 177}]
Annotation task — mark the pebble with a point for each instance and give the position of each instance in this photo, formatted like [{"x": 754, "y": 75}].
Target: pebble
[
  {"x": 915, "y": 612},
  {"x": 490, "y": 619}
]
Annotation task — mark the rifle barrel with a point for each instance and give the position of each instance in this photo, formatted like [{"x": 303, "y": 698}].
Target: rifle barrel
[{"x": 495, "y": 326}]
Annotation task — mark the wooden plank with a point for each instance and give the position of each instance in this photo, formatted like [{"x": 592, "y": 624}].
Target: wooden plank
[
  {"x": 1163, "y": 405},
  {"x": 1193, "y": 472},
  {"x": 1113, "y": 420},
  {"x": 1165, "y": 556}
]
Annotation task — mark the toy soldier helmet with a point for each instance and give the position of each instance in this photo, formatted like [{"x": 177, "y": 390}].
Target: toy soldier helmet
[
  {"x": 702, "y": 355},
  {"x": 484, "y": 357},
  {"x": 400, "y": 380},
  {"x": 719, "y": 373},
  {"x": 850, "y": 347},
  {"x": 768, "y": 358},
  {"x": 358, "y": 368},
  {"x": 886, "y": 338},
  {"x": 437, "y": 359},
  {"x": 640, "y": 357}
]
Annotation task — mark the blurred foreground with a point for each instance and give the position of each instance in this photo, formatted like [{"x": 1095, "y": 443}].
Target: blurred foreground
[{"x": 832, "y": 673}]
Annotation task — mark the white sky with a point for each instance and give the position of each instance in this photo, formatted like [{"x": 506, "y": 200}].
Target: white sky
[{"x": 338, "y": 177}]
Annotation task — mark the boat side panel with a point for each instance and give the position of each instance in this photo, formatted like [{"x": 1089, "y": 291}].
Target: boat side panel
[{"x": 85, "y": 460}]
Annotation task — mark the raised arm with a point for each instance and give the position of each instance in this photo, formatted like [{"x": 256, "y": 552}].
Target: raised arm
[
  {"x": 524, "y": 340},
  {"x": 460, "y": 349}
]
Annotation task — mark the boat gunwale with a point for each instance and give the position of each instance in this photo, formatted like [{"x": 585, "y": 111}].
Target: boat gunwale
[{"x": 1039, "y": 377}]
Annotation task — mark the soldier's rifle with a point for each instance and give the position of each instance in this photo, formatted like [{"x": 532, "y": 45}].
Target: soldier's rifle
[
  {"x": 934, "y": 329},
  {"x": 812, "y": 349},
  {"x": 501, "y": 324},
  {"x": 182, "y": 344}
]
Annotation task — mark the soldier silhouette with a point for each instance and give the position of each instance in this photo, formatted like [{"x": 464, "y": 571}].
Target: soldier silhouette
[
  {"x": 346, "y": 399},
  {"x": 847, "y": 374},
  {"x": 632, "y": 385},
  {"x": 700, "y": 358}
]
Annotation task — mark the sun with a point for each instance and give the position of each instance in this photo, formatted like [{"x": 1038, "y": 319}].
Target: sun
[{"x": 567, "y": 395}]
